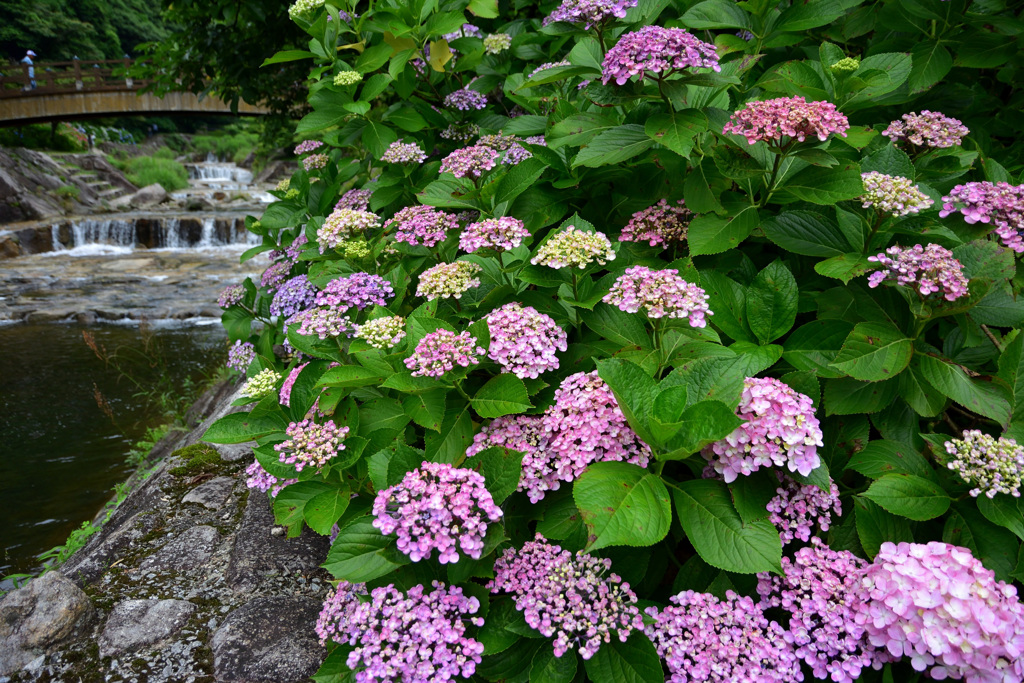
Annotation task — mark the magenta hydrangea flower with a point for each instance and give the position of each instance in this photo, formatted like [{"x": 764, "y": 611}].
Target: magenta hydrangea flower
[
  {"x": 465, "y": 100},
  {"x": 307, "y": 146},
  {"x": 549, "y": 65},
  {"x": 797, "y": 509},
  {"x": 399, "y": 152},
  {"x": 294, "y": 296},
  {"x": 927, "y": 129},
  {"x": 991, "y": 465},
  {"x": 662, "y": 224},
  {"x": 293, "y": 250},
  {"x": 470, "y": 161},
  {"x": 893, "y": 195},
  {"x": 343, "y": 224},
  {"x": 357, "y": 290},
  {"x": 412, "y": 637},
  {"x": 241, "y": 355},
  {"x": 589, "y": 13},
  {"x": 500, "y": 234},
  {"x": 448, "y": 280},
  {"x": 324, "y": 323},
  {"x": 440, "y": 351},
  {"x": 658, "y": 50},
  {"x": 511, "y": 146},
  {"x": 517, "y": 432},
  {"x": 232, "y": 294},
  {"x": 258, "y": 478},
  {"x": 781, "y": 430},
  {"x": 576, "y": 599},
  {"x": 661, "y": 293},
  {"x": 437, "y": 507},
  {"x": 315, "y": 161},
  {"x": 821, "y": 590},
  {"x": 355, "y": 200},
  {"x": 275, "y": 274},
  {"x": 939, "y": 606},
  {"x": 792, "y": 117},
  {"x": 524, "y": 341},
  {"x": 423, "y": 225},
  {"x": 284, "y": 397},
  {"x": 998, "y": 204},
  {"x": 311, "y": 444},
  {"x": 930, "y": 270},
  {"x": 702, "y": 638},
  {"x": 467, "y": 31}
]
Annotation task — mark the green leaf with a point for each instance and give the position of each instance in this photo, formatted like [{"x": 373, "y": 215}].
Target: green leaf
[
  {"x": 880, "y": 458},
  {"x": 289, "y": 503},
  {"x": 242, "y": 427},
  {"x": 909, "y": 496},
  {"x": 844, "y": 267},
  {"x": 931, "y": 62},
  {"x": 1011, "y": 368},
  {"x": 986, "y": 259},
  {"x": 703, "y": 423},
  {"x": 361, "y": 553},
  {"x": 807, "y": 233},
  {"x": 494, "y": 634},
  {"x": 719, "y": 535},
  {"x": 716, "y": 14},
  {"x": 825, "y": 185},
  {"x": 1004, "y": 510},
  {"x": 622, "y": 504},
  {"x": 325, "y": 508},
  {"x": 813, "y": 347},
  {"x": 613, "y": 146},
  {"x": 812, "y": 14},
  {"x": 449, "y": 446},
  {"x": 547, "y": 668},
  {"x": 349, "y": 376},
  {"x": 889, "y": 160},
  {"x": 677, "y": 129},
  {"x": 616, "y": 325},
  {"x": 502, "y": 395},
  {"x": 728, "y": 300},
  {"x": 873, "y": 352},
  {"x": 772, "y": 300},
  {"x": 849, "y": 396},
  {"x": 427, "y": 408},
  {"x": 995, "y": 546},
  {"x": 635, "y": 661},
  {"x": 377, "y": 137},
  {"x": 518, "y": 179},
  {"x": 875, "y": 526},
  {"x": 485, "y": 9},
  {"x": 710, "y": 234},
  {"x": 287, "y": 56},
  {"x": 998, "y": 308},
  {"x": 634, "y": 391},
  {"x": 983, "y": 397},
  {"x": 501, "y": 469}
]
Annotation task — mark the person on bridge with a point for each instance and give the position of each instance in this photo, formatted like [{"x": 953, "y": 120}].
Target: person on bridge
[{"x": 31, "y": 69}]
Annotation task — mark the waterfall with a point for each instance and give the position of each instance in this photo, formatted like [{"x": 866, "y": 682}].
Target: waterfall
[
  {"x": 114, "y": 232},
  {"x": 219, "y": 173},
  {"x": 55, "y": 237},
  {"x": 208, "y": 237}
]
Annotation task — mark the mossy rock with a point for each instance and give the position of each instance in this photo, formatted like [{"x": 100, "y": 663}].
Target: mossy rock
[{"x": 200, "y": 458}]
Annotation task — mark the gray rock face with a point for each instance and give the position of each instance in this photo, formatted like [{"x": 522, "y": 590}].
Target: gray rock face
[
  {"x": 189, "y": 550},
  {"x": 134, "y": 624},
  {"x": 146, "y": 198},
  {"x": 86, "y": 566},
  {"x": 212, "y": 494},
  {"x": 45, "y": 612},
  {"x": 268, "y": 640},
  {"x": 234, "y": 452}
]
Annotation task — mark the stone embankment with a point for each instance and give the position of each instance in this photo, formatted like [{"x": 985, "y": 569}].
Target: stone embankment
[{"x": 189, "y": 581}]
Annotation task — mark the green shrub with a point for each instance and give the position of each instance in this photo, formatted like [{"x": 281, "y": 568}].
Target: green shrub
[
  {"x": 144, "y": 171},
  {"x": 67, "y": 192}
]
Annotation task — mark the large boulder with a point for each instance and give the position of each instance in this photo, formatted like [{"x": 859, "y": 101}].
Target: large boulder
[
  {"x": 137, "y": 624},
  {"x": 146, "y": 198}
]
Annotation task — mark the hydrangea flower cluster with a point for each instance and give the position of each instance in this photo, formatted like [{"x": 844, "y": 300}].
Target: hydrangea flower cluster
[
  {"x": 440, "y": 351},
  {"x": 413, "y": 637},
  {"x": 294, "y": 296},
  {"x": 470, "y": 161},
  {"x": 382, "y": 333},
  {"x": 354, "y": 250},
  {"x": 524, "y": 341},
  {"x": 463, "y": 132},
  {"x": 343, "y": 224},
  {"x": 514, "y": 152},
  {"x": 927, "y": 129},
  {"x": 343, "y": 78},
  {"x": 702, "y": 638},
  {"x": 1000, "y": 204},
  {"x": 304, "y": 6},
  {"x": 574, "y": 249},
  {"x": 315, "y": 161},
  {"x": 496, "y": 43},
  {"x": 659, "y": 50},
  {"x": 589, "y": 13},
  {"x": 241, "y": 355},
  {"x": 465, "y": 99},
  {"x": 355, "y": 199},
  {"x": 798, "y": 508},
  {"x": 258, "y": 478},
  {"x": 781, "y": 430},
  {"x": 550, "y": 65},
  {"x": 661, "y": 223},
  {"x": 845, "y": 66},
  {"x": 324, "y": 323},
  {"x": 576, "y": 599},
  {"x": 284, "y": 397},
  {"x": 930, "y": 270},
  {"x": 357, "y": 290},
  {"x": 262, "y": 384},
  {"x": 892, "y": 194},
  {"x": 793, "y": 117},
  {"x": 661, "y": 293},
  {"x": 283, "y": 185},
  {"x": 232, "y": 294},
  {"x": 938, "y": 605},
  {"x": 448, "y": 280},
  {"x": 275, "y": 274},
  {"x": 500, "y": 234},
  {"x": 821, "y": 590},
  {"x": 467, "y": 31},
  {"x": 311, "y": 444},
  {"x": 991, "y": 465},
  {"x": 399, "y": 152},
  {"x": 293, "y": 250},
  {"x": 517, "y": 432},
  {"x": 307, "y": 146},
  {"x": 437, "y": 507},
  {"x": 423, "y": 225}
]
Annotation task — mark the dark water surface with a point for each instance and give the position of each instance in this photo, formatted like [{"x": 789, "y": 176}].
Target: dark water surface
[{"x": 60, "y": 455}]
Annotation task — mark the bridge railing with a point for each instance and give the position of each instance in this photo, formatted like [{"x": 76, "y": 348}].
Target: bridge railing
[{"x": 79, "y": 75}]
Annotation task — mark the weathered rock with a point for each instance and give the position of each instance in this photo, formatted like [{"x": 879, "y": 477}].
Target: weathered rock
[
  {"x": 212, "y": 494},
  {"x": 149, "y": 196},
  {"x": 268, "y": 640},
  {"x": 189, "y": 550},
  {"x": 198, "y": 204},
  {"x": 47, "y": 611},
  {"x": 234, "y": 452},
  {"x": 135, "y": 624},
  {"x": 85, "y": 566}
]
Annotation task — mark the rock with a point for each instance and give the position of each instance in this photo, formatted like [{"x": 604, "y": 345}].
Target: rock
[
  {"x": 48, "y": 610},
  {"x": 190, "y": 231},
  {"x": 268, "y": 640},
  {"x": 134, "y": 624},
  {"x": 34, "y": 207},
  {"x": 189, "y": 550},
  {"x": 212, "y": 494},
  {"x": 9, "y": 247},
  {"x": 198, "y": 204},
  {"x": 149, "y": 196},
  {"x": 90, "y": 562},
  {"x": 234, "y": 452}
]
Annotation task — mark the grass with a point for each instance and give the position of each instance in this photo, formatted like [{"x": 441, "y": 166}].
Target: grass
[
  {"x": 143, "y": 171},
  {"x": 233, "y": 144}
]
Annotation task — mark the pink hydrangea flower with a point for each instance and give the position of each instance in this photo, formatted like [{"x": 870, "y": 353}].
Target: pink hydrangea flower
[
  {"x": 517, "y": 432},
  {"x": 589, "y": 13},
  {"x": 307, "y": 146},
  {"x": 310, "y": 444},
  {"x": 470, "y": 161},
  {"x": 662, "y": 224},
  {"x": 315, "y": 161},
  {"x": 232, "y": 294},
  {"x": 241, "y": 355},
  {"x": 423, "y": 225},
  {"x": 929, "y": 270},
  {"x": 927, "y": 129},
  {"x": 354, "y": 200},
  {"x": 261, "y": 480},
  {"x": 500, "y": 234},
  {"x": 399, "y": 152},
  {"x": 357, "y": 290},
  {"x": 465, "y": 100},
  {"x": 998, "y": 204},
  {"x": 440, "y": 351},
  {"x": 657, "y": 50},
  {"x": 661, "y": 293},
  {"x": 524, "y": 341},
  {"x": 792, "y": 117},
  {"x": 284, "y": 397},
  {"x": 798, "y": 509},
  {"x": 344, "y": 224}
]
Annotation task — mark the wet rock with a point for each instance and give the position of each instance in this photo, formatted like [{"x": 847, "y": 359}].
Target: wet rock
[
  {"x": 190, "y": 231},
  {"x": 212, "y": 494},
  {"x": 47, "y": 611},
  {"x": 134, "y": 624},
  {"x": 268, "y": 640},
  {"x": 105, "y": 548},
  {"x": 198, "y": 204},
  {"x": 9, "y": 247},
  {"x": 191, "y": 549}
]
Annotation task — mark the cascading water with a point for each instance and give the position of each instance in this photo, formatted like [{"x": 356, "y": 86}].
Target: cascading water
[
  {"x": 153, "y": 232},
  {"x": 218, "y": 173},
  {"x": 111, "y": 232}
]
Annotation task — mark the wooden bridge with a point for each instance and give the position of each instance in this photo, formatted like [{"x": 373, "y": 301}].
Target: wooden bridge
[{"x": 82, "y": 89}]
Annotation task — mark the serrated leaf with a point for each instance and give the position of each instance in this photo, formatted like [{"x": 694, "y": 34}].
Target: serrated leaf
[
  {"x": 825, "y": 185},
  {"x": 710, "y": 234},
  {"x": 772, "y": 300},
  {"x": 983, "y": 397},
  {"x": 501, "y": 469},
  {"x": 325, "y": 508},
  {"x": 622, "y": 504},
  {"x": 807, "y": 233},
  {"x": 881, "y": 457},
  {"x": 875, "y": 526},
  {"x": 635, "y": 661},
  {"x": 502, "y": 395},
  {"x": 813, "y": 347},
  {"x": 361, "y": 553},
  {"x": 614, "y": 146},
  {"x": 874, "y": 352},
  {"x": 909, "y": 496}
]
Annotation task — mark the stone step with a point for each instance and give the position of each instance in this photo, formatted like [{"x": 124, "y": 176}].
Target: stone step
[
  {"x": 99, "y": 184},
  {"x": 112, "y": 193}
]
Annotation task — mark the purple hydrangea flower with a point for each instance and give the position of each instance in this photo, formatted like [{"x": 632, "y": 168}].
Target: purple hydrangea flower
[
  {"x": 662, "y": 224},
  {"x": 284, "y": 397},
  {"x": 470, "y": 161},
  {"x": 465, "y": 100},
  {"x": 589, "y": 13},
  {"x": 399, "y": 152},
  {"x": 311, "y": 444},
  {"x": 524, "y": 341},
  {"x": 1000, "y": 204},
  {"x": 658, "y": 50},
  {"x": 292, "y": 251},
  {"x": 991, "y": 465},
  {"x": 258, "y": 478},
  {"x": 355, "y": 200},
  {"x": 307, "y": 146},
  {"x": 275, "y": 274},
  {"x": 294, "y": 296},
  {"x": 324, "y": 323},
  {"x": 241, "y": 355},
  {"x": 357, "y": 290},
  {"x": 797, "y": 508},
  {"x": 661, "y": 293},
  {"x": 793, "y": 117},
  {"x": 440, "y": 351},
  {"x": 423, "y": 225},
  {"x": 930, "y": 270},
  {"x": 927, "y": 129},
  {"x": 500, "y": 234},
  {"x": 232, "y": 294}
]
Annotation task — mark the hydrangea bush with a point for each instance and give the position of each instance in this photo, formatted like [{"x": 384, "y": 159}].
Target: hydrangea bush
[{"x": 685, "y": 331}]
